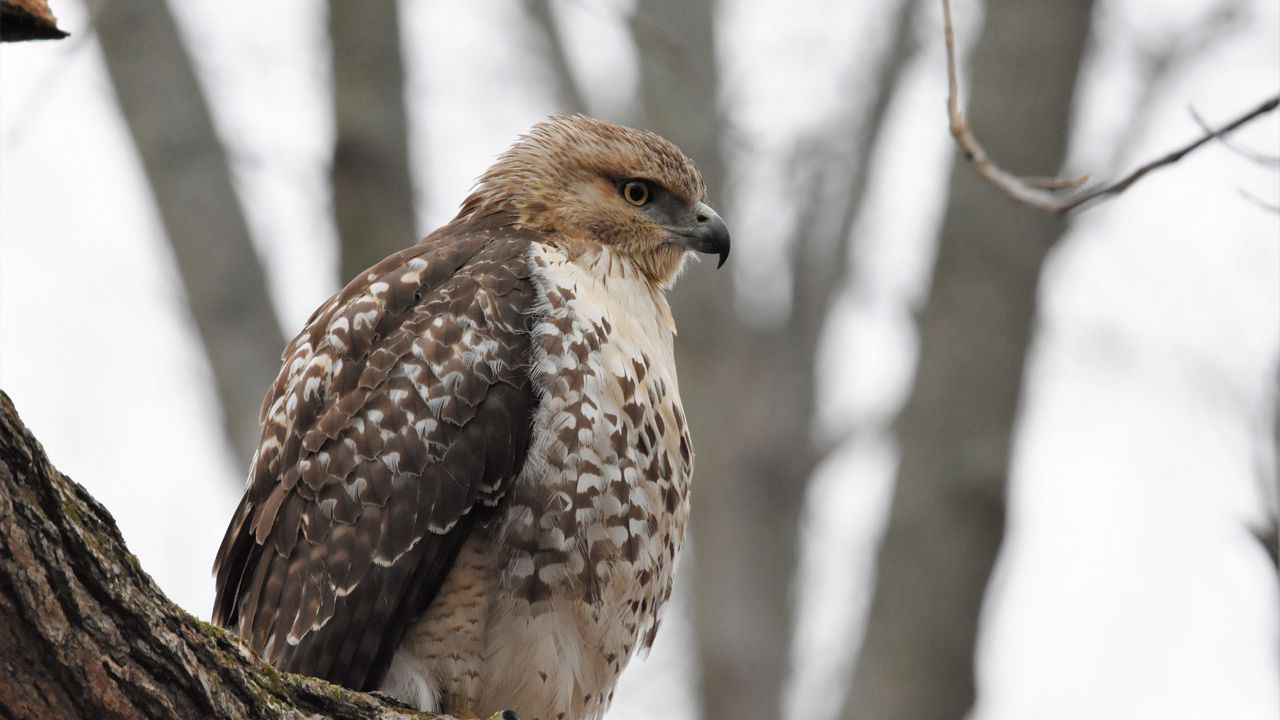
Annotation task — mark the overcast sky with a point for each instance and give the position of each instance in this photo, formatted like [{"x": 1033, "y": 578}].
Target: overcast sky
[{"x": 1129, "y": 586}]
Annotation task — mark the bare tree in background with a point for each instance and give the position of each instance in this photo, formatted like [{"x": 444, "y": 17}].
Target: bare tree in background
[
  {"x": 372, "y": 187},
  {"x": 191, "y": 182},
  {"x": 752, "y": 473},
  {"x": 1268, "y": 471},
  {"x": 739, "y": 608},
  {"x": 947, "y": 517},
  {"x": 569, "y": 95}
]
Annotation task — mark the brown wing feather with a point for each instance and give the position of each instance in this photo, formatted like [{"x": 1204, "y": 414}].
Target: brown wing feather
[{"x": 402, "y": 413}]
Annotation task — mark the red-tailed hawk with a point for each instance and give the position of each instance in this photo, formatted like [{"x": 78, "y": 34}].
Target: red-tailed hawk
[{"x": 473, "y": 478}]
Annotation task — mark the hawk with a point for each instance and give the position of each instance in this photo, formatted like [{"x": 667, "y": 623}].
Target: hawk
[{"x": 472, "y": 482}]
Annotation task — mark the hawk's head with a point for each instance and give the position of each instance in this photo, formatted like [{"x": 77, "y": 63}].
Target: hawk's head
[{"x": 585, "y": 181}]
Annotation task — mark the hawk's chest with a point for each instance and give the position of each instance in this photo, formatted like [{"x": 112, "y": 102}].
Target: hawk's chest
[{"x": 607, "y": 477}]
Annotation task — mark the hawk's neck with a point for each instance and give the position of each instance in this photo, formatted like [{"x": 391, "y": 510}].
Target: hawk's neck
[{"x": 605, "y": 281}]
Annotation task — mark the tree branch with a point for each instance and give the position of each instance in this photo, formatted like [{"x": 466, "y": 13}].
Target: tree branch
[
  {"x": 1041, "y": 193},
  {"x": 1257, "y": 158},
  {"x": 87, "y": 633},
  {"x": 1158, "y": 63},
  {"x": 28, "y": 20}
]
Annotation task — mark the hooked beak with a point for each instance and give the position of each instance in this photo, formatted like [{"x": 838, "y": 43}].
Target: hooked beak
[{"x": 708, "y": 235}]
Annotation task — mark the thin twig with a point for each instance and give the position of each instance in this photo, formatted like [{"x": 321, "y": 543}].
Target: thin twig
[
  {"x": 1270, "y": 207},
  {"x": 1158, "y": 64},
  {"x": 1053, "y": 183},
  {"x": 1267, "y": 161},
  {"x": 1044, "y": 194},
  {"x": 1123, "y": 184}
]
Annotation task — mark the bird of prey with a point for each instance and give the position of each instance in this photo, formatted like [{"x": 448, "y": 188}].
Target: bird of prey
[{"x": 472, "y": 482}]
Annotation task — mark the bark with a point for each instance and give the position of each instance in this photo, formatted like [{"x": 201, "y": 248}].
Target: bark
[
  {"x": 28, "y": 20},
  {"x": 751, "y": 473},
  {"x": 947, "y": 516},
  {"x": 87, "y": 634},
  {"x": 191, "y": 181},
  {"x": 372, "y": 188}
]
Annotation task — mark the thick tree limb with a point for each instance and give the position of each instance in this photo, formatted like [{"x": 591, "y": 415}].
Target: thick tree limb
[
  {"x": 1042, "y": 193},
  {"x": 87, "y": 634}
]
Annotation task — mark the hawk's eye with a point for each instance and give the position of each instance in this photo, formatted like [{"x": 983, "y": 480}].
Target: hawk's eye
[{"x": 635, "y": 192}]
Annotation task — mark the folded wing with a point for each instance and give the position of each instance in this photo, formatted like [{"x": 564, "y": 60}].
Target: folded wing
[{"x": 401, "y": 415}]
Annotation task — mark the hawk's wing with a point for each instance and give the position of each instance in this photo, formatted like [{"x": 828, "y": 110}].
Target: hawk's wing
[{"x": 404, "y": 410}]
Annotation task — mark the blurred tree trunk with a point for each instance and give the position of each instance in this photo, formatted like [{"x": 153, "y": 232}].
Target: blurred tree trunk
[
  {"x": 948, "y": 510},
  {"x": 740, "y": 584},
  {"x": 191, "y": 181},
  {"x": 372, "y": 189},
  {"x": 751, "y": 410},
  {"x": 569, "y": 95},
  {"x": 1269, "y": 479}
]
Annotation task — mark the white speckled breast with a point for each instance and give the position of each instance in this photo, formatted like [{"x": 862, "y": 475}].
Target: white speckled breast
[
  {"x": 595, "y": 523},
  {"x": 546, "y": 604}
]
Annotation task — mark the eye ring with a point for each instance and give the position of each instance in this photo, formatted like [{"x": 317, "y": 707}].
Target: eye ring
[{"x": 635, "y": 192}]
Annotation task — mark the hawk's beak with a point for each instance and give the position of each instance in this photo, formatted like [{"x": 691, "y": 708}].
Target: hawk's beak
[{"x": 708, "y": 235}]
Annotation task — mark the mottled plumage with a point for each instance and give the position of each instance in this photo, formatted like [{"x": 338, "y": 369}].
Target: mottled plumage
[{"x": 472, "y": 483}]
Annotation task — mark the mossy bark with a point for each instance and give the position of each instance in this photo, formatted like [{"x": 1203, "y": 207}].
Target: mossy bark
[{"x": 86, "y": 633}]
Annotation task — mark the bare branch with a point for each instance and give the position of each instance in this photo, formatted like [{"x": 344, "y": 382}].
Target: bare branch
[
  {"x": 28, "y": 20},
  {"x": 29, "y": 109},
  {"x": 1269, "y": 207},
  {"x": 1123, "y": 184},
  {"x": 1159, "y": 63},
  {"x": 1040, "y": 193},
  {"x": 1053, "y": 183},
  {"x": 1268, "y": 161}
]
